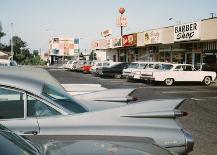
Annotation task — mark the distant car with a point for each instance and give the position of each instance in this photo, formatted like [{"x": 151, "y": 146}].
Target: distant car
[
  {"x": 98, "y": 65},
  {"x": 150, "y": 66},
  {"x": 132, "y": 66},
  {"x": 113, "y": 71},
  {"x": 13, "y": 144},
  {"x": 41, "y": 111},
  {"x": 181, "y": 73},
  {"x": 209, "y": 67},
  {"x": 5, "y": 62},
  {"x": 87, "y": 66}
]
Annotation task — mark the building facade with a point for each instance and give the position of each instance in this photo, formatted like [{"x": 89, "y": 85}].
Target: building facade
[
  {"x": 193, "y": 43},
  {"x": 61, "y": 48}
]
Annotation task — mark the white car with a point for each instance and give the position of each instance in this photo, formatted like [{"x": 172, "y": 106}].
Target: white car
[
  {"x": 5, "y": 62},
  {"x": 150, "y": 66},
  {"x": 132, "y": 66},
  {"x": 182, "y": 73}
]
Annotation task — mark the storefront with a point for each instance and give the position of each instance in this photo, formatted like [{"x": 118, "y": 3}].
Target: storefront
[{"x": 129, "y": 51}]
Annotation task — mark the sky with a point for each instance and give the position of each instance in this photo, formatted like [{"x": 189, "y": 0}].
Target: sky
[{"x": 35, "y": 21}]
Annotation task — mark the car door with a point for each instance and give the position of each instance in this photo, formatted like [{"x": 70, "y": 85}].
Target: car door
[
  {"x": 177, "y": 73},
  {"x": 13, "y": 110}
]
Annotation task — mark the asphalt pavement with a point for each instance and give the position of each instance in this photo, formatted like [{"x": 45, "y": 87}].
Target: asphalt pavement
[{"x": 200, "y": 103}]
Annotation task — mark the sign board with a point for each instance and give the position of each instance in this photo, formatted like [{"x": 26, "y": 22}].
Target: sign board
[
  {"x": 129, "y": 40},
  {"x": 106, "y": 33},
  {"x": 116, "y": 42},
  {"x": 95, "y": 45},
  {"x": 122, "y": 21},
  {"x": 153, "y": 37},
  {"x": 140, "y": 39},
  {"x": 185, "y": 32}
]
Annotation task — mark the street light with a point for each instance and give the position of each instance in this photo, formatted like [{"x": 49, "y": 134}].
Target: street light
[{"x": 12, "y": 48}]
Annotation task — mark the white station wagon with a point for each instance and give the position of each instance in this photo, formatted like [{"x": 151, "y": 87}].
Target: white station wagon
[{"x": 181, "y": 73}]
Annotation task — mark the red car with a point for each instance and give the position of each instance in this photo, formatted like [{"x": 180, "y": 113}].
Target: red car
[{"x": 87, "y": 67}]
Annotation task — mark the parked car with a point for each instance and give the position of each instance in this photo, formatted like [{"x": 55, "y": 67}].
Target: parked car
[
  {"x": 87, "y": 66},
  {"x": 71, "y": 65},
  {"x": 114, "y": 70},
  {"x": 132, "y": 66},
  {"x": 98, "y": 65},
  {"x": 150, "y": 66},
  {"x": 209, "y": 67},
  {"x": 13, "y": 144},
  {"x": 41, "y": 111},
  {"x": 181, "y": 73},
  {"x": 5, "y": 62},
  {"x": 79, "y": 65}
]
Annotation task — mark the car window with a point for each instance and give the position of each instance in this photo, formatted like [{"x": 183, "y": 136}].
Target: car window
[
  {"x": 142, "y": 66},
  {"x": 63, "y": 99},
  {"x": 133, "y": 65},
  {"x": 150, "y": 66},
  {"x": 166, "y": 66},
  {"x": 187, "y": 68},
  {"x": 36, "y": 108},
  {"x": 11, "y": 104},
  {"x": 178, "y": 68},
  {"x": 157, "y": 66}
]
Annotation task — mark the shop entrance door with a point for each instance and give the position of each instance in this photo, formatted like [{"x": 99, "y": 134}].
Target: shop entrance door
[
  {"x": 194, "y": 58},
  {"x": 189, "y": 58}
]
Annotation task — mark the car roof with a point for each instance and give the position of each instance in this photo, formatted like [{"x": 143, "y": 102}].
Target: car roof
[{"x": 30, "y": 79}]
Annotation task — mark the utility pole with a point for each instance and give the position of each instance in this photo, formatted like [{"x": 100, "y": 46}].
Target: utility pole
[
  {"x": 12, "y": 46},
  {"x": 212, "y": 15}
]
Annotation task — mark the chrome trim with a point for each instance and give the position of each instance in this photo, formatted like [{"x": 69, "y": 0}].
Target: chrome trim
[{"x": 189, "y": 142}]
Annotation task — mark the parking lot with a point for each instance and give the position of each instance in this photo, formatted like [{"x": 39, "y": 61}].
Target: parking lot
[{"x": 200, "y": 104}]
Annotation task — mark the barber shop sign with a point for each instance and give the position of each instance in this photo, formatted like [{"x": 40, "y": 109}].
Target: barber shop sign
[{"x": 185, "y": 32}]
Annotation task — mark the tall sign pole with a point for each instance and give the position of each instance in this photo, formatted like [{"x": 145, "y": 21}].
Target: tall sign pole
[{"x": 121, "y": 11}]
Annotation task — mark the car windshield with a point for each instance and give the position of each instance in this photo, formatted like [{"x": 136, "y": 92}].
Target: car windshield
[
  {"x": 18, "y": 141},
  {"x": 133, "y": 65},
  {"x": 62, "y": 98}
]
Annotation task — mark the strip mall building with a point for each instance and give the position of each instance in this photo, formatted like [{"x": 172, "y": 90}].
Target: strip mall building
[{"x": 193, "y": 43}]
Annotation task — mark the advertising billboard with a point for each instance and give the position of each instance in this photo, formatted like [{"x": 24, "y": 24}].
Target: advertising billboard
[
  {"x": 153, "y": 37},
  {"x": 129, "y": 40},
  {"x": 117, "y": 42},
  {"x": 185, "y": 32}
]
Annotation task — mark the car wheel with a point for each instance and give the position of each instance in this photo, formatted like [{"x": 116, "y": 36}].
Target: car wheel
[
  {"x": 117, "y": 76},
  {"x": 207, "y": 80},
  {"x": 169, "y": 82}
]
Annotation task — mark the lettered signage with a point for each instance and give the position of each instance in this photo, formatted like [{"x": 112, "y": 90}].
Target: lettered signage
[{"x": 185, "y": 32}]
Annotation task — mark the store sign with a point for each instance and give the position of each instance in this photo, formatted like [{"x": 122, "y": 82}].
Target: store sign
[
  {"x": 140, "y": 39},
  {"x": 116, "y": 42},
  {"x": 103, "y": 44},
  {"x": 153, "y": 37},
  {"x": 185, "y": 32},
  {"x": 106, "y": 33},
  {"x": 122, "y": 21},
  {"x": 129, "y": 40},
  {"x": 95, "y": 45}
]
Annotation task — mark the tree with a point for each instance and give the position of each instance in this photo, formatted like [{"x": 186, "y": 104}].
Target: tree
[
  {"x": 2, "y": 34},
  {"x": 92, "y": 56},
  {"x": 35, "y": 53}
]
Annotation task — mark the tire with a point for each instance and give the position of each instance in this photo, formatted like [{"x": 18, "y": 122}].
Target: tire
[
  {"x": 169, "y": 82},
  {"x": 117, "y": 76},
  {"x": 207, "y": 80}
]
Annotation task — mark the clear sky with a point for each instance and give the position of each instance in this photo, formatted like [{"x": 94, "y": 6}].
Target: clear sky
[{"x": 35, "y": 21}]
